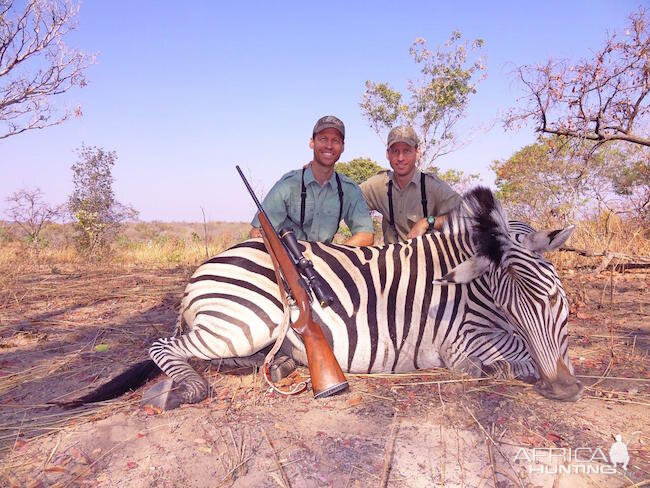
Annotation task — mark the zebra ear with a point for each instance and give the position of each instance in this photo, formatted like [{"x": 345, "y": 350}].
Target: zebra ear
[
  {"x": 545, "y": 241},
  {"x": 465, "y": 271}
]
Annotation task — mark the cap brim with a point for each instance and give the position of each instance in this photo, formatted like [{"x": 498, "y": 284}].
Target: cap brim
[{"x": 330, "y": 126}]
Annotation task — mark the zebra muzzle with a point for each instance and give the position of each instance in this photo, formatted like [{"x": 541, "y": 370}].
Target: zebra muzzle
[{"x": 564, "y": 387}]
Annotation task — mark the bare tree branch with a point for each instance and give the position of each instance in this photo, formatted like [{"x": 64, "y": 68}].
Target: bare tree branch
[
  {"x": 36, "y": 65},
  {"x": 602, "y": 99},
  {"x": 28, "y": 210}
]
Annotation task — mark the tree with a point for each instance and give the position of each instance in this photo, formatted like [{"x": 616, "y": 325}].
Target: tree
[
  {"x": 436, "y": 101},
  {"x": 601, "y": 99},
  {"x": 359, "y": 169},
  {"x": 458, "y": 180},
  {"x": 36, "y": 65},
  {"x": 630, "y": 181},
  {"x": 93, "y": 205},
  {"x": 544, "y": 181},
  {"x": 29, "y": 211}
]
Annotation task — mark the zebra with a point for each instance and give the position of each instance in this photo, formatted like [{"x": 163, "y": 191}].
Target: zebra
[{"x": 476, "y": 297}]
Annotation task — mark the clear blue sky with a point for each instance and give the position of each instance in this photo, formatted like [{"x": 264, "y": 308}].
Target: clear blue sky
[{"x": 183, "y": 91}]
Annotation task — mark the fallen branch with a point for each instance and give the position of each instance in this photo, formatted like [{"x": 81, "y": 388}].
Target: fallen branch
[
  {"x": 618, "y": 255},
  {"x": 631, "y": 261},
  {"x": 285, "y": 479},
  {"x": 388, "y": 453}
]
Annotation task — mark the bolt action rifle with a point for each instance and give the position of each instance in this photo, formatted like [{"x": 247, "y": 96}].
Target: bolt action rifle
[{"x": 327, "y": 378}]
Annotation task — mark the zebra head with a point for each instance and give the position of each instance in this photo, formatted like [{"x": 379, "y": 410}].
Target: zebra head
[{"x": 524, "y": 286}]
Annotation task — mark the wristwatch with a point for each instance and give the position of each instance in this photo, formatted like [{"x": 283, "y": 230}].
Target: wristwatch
[{"x": 431, "y": 220}]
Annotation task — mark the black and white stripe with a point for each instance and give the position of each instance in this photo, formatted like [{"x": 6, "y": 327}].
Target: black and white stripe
[{"x": 477, "y": 294}]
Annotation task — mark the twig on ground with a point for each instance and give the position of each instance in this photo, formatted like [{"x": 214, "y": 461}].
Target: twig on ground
[
  {"x": 13, "y": 448},
  {"x": 49, "y": 458},
  {"x": 285, "y": 480},
  {"x": 89, "y": 468},
  {"x": 603, "y": 377},
  {"x": 488, "y": 444},
  {"x": 388, "y": 453},
  {"x": 493, "y": 443}
]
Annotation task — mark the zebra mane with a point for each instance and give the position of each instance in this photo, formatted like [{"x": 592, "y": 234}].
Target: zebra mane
[{"x": 487, "y": 222}]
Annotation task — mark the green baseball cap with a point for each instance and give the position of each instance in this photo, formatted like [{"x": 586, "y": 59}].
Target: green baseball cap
[
  {"x": 403, "y": 133},
  {"x": 329, "y": 122}
]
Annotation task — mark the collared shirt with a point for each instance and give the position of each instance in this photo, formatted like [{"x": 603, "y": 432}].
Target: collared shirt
[
  {"x": 407, "y": 202},
  {"x": 282, "y": 205}
]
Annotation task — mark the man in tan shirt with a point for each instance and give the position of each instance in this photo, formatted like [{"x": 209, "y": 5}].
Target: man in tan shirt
[{"x": 410, "y": 202}]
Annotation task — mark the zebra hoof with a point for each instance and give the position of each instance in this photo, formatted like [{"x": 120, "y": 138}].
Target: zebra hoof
[
  {"x": 469, "y": 365},
  {"x": 282, "y": 367},
  {"x": 498, "y": 370},
  {"x": 167, "y": 395},
  {"x": 161, "y": 396}
]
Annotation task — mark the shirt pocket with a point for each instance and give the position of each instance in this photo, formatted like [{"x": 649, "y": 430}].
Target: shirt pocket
[
  {"x": 411, "y": 219},
  {"x": 295, "y": 208}
]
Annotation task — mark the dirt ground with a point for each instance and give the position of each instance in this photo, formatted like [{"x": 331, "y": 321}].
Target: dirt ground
[{"x": 64, "y": 330}]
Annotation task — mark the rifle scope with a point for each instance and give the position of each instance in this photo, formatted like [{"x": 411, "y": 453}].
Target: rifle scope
[{"x": 305, "y": 266}]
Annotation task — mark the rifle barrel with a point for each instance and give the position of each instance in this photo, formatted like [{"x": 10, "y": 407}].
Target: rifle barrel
[{"x": 250, "y": 190}]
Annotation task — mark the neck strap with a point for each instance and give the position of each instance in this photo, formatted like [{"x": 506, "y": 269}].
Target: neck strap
[
  {"x": 423, "y": 194},
  {"x": 303, "y": 199}
]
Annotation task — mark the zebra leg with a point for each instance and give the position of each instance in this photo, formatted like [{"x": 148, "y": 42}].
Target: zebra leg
[
  {"x": 469, "y": 365},
  {"x": 281, "y": 367},
  {"x": 171, "y": 355},
  {"x": 525, "y": 371},
  {"x": 498, "y": 369},
  {"x": 460, "y": 362}
]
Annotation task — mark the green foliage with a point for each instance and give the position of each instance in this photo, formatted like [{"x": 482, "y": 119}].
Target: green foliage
[
  {"x": 343, "y": 234},
  {"x": 359, "y": 169},
  {"x": 93, "y": 205},
  {"x": 458, "y": 180},
  {"x": 436, "y": 101},
  {"x": 5, "y": 235},
  {"x": 634, "y": 173},
  {"x": 546, "y": 181}
]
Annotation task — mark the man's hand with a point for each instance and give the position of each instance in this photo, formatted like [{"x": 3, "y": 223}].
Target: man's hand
[
  {"x": 422, "y": 226},
  {"x": 418, "y": 229},
  {"x": 361, "y": 239},
  {"x": 255, "y": 232}
]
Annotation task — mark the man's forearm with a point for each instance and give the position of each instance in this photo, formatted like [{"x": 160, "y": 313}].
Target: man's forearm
[
  {"x": 361, "y": 239},
  {"x": 422, "y": 226},
  {"x": 439, "y": 222}
]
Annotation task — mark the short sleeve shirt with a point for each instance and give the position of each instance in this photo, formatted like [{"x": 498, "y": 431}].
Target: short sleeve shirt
[
  {"x": 407, "y": 202},
  {"x": 282, "y": 205}
]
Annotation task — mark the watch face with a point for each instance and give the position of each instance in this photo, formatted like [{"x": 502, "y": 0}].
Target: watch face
[{"x": 431, "y": 220}]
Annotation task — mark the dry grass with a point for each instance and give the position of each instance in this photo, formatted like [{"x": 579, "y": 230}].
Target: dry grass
[
  {"x": 626, "y": 237},
  {"x": 130, "y": 297},
  {"x": 168, "y": 244},
  {"x": 155, "y": 244}
]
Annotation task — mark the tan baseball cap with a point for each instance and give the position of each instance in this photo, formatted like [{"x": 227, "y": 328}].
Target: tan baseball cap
[
  {"x": 329, "y": 122},
  {"x": 403, "y": 133}
]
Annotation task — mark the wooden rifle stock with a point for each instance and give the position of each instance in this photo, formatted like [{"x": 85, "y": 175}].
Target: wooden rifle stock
[{"x": 327, "y": 378}]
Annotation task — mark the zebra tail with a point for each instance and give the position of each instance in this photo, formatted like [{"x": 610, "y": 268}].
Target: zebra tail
[{"x": 134, "y": 377}]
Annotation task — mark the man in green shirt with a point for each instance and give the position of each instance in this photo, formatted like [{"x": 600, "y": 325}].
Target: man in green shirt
[
  {"x": 313, "y": 200},
  {"x": 410, "y": 202}
]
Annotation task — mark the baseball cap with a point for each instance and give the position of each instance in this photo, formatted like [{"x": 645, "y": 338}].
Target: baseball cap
[
  {"x": 403, "y": 133},
  {"x": 329, "y": 122}
]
